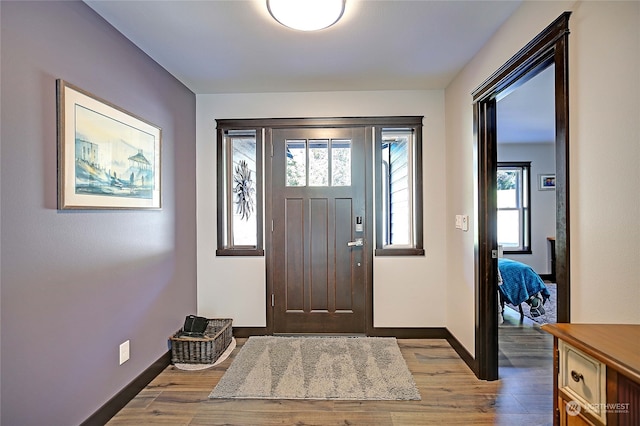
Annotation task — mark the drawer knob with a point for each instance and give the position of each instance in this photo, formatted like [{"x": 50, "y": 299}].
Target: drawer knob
[{"x": 576, "y": 376}]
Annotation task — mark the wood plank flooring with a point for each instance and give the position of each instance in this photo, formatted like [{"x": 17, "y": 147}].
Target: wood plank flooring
[{"x": 450, "y": 392}]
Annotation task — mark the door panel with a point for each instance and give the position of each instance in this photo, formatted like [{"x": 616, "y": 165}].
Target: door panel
[
  {"x": 318, "y": 256},
  {"x": 344, "y": 214},
  {"x": 294, "y": 255},
  {"x": 318, "y": 280}
]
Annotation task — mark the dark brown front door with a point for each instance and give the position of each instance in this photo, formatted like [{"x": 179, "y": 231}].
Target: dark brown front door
[{"x": 318, "y": 239}]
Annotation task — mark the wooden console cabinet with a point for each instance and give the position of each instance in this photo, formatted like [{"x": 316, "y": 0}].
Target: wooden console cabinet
[{"x": 596, "y": 374}]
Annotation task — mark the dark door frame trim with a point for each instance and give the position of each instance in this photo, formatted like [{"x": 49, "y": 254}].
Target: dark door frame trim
[{"x": 548, "y": 47}]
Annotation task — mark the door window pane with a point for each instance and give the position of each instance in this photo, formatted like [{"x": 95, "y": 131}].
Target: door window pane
[
  {"x": 340, "y": 163},
  {"x": 296, "y": 163},
  {"x": 318, "y": 162}
]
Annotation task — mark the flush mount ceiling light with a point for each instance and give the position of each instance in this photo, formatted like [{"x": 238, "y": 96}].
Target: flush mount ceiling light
[{"x": 306, "y": 15}]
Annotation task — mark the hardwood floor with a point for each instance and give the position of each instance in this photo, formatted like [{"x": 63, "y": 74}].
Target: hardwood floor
[{"x": 450, "y": 392}]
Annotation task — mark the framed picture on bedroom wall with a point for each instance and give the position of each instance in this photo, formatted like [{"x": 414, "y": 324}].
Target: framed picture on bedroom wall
[
  {"x": 546, "y": 182},
  {"x": 108, "y": 158}
]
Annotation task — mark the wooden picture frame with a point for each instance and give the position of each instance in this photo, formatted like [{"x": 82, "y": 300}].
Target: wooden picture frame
[{"x": 108, "y": 158}]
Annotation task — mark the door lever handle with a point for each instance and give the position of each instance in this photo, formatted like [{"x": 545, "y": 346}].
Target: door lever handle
[{"x": 359, "y": 242}]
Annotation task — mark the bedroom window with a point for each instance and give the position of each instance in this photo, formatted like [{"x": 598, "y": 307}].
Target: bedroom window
[
  {"x": 513, "y": 199},
  {"x": 239, "y": 192},
  {"x": 398, "y": 157}
]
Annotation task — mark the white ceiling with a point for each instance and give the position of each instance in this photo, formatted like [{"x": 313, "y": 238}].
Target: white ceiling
[
  {"x": 528, "y": 115},
  {"x": 234, "y": 46}
]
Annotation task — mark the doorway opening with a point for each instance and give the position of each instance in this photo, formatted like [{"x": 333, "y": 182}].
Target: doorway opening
[
  {"x": 526, "y": 221},
  {"x": 550, "y": 47}
]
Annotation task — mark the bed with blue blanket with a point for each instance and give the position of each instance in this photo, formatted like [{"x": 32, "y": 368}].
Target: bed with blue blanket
[{"x": 519, "y": 283}]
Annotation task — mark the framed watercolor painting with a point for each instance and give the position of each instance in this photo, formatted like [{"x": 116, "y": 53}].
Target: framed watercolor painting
[
  {"x": 546, "y": 182},
  {"x": 108, "y": 158}
]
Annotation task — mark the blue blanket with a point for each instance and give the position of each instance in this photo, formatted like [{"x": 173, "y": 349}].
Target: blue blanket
[{"x": 519, "y": 282}]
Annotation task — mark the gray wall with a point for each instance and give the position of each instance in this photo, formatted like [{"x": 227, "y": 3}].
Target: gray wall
[{"x": 76, "y": 284}]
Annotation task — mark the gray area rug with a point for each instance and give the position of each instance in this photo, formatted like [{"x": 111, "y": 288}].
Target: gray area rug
[
  {"x": 550, "y": 315},
  {"x": 339, "y": 368}
]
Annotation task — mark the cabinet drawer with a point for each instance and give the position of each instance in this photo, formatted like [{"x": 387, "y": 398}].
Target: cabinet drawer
[
  {"x": 567, "y": 419},
  {"x": 584, "y": 379}
]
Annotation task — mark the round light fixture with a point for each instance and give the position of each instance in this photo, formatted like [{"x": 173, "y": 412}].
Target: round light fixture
[{"x": 306, "y": 15}]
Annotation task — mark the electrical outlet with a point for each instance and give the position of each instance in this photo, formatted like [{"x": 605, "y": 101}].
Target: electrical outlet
[
  {"x": 124, "y": 352},
  {"x": 458, "y": 221}
]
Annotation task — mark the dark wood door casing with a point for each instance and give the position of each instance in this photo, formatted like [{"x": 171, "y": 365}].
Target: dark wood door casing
[{"x": 548, "y": 47}]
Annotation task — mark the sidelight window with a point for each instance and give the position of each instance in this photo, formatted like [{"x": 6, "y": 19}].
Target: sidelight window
[
  {"x": 399, "y": 197},
  {"x": 239, "y": 192}
]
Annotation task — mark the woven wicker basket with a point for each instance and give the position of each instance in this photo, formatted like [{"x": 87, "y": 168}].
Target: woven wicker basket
[{"x": 202, "y": 350}]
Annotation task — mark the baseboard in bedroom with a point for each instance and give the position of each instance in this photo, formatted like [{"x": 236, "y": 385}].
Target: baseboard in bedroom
[{"x": 122, "y": 398}]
